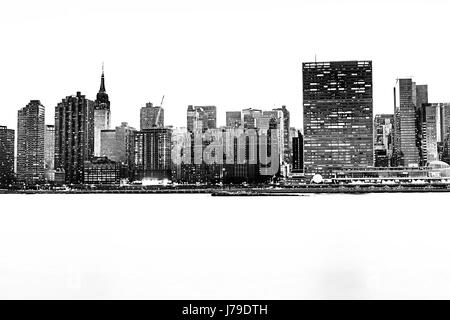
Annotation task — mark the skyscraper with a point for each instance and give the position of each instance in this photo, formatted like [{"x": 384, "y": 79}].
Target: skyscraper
[
  {"x": 49, "y": 150},
  {"x": 6, "y": 155},
  {"x": 274, "y": 120},
  {"x": 406, "y": 132},
  {"x": 201, "y": 118},
  {"x": 250, "y": 117},
  {"x": 445, "y": 128},
  {"x": 435, "y": 121},
  {"x": 152, "y": 154},
  {"x": 151, "y": 117},
  {"x": 297, "y": 152},
  {"x": 383, "y": 139},
  {"x": 74, "y": 136},
  {"x": 286, "y": 138},
  {"x": 337, "y": 116},
  {"x": 30, "y": 143},
  {"x": 102, "y": 114},
  {"x": 233, "y": 119},
  {"x": 420, "y": 96},
  {"x": 116, "y": 143}
]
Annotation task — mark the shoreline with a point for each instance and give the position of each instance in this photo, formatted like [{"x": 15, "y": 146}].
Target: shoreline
[{"x": 292, "y": 191}]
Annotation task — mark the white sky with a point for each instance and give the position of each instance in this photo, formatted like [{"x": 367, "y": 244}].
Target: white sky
[{"x": 234, "y": 54}]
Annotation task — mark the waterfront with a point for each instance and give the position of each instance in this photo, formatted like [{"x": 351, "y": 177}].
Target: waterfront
[
  {"x": 197, "y": 246},
  {"x": 248, "y": 190}
]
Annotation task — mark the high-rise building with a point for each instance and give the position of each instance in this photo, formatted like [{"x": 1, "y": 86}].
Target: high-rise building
[
  {"x": 6, "y": 155},
  {"x": 108, "y": 138},
  {"x": 445, "y": 129},
  {"x": 241, "y": 157},
  {"x": 102, "y": 114},
  {"x": 49, "y": 151},
  {"x": 74, "y": 136},
  {"x": 210, "y": 114},
  {"x": 420, "y": 96},
  {"x": 151, "y": 117},
  {"x": 287, "y": 141},
  {"x": 337, "y": 116},
  {"x": 297, "y": 152},
  {"x": 233, "y": 119},
  {"x": 201, "y": 118},
  {"x": 406, "y": 131},
  {"x": 435, "y": 130},
  {"x": 431, "y": 134},
  {"x": 383, "y": 139},
  {"x": 30, "y": 143},
  {"x": 152, "y": 154},
  {"x": 116, "y": 143},
  {"x": 239, "y": 163},
  {"x": 250, "y": 117},
  {"x": 274, "y": 120}
]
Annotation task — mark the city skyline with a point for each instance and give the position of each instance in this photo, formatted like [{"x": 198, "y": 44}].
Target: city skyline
[
  {"x": 221, "y": 113},
  {"x": 418, "y": 130},
  {"x": 231, "y": 66}
]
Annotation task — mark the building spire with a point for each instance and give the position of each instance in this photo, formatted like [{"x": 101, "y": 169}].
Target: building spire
[{"x": 102, "y": 83}]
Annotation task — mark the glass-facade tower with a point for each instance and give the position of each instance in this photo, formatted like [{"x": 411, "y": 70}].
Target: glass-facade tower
[{"x": 337, "y": 116}]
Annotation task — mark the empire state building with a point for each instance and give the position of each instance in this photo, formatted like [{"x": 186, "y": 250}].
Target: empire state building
[{"x": 102, "y": 114}]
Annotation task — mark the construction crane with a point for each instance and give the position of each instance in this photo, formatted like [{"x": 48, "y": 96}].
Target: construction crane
[{"x": 159, "y": 112}]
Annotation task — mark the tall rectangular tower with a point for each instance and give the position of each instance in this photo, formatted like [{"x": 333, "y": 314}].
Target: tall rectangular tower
[
  {"x": 30, "y": 143},
  {"x": 74, "y": 136},
  {"x": 49, "y": 149},
  {"x": 6, "y": 155},
  {"x": 406, "y": 132},
  {"x": 287, "y": 142},
  {"x": 152, "y": 154},
  {"x": 435, "y": 119},
  {"x": 337, "y": 116},
  {"x": 383, "y": 140},
  {"x": 102, "y": 114}
]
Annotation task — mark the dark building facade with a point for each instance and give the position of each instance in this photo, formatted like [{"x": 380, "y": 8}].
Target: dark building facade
[
  {"x": 6, "y": 155},
  {"x": 337, "y": 116},
  {"x": 406, "y": 129},
  {"x": 101, "y": 171},
  {"x": 240, "y": 162},
  {"x": 297, "y": 153},
  {"x": 74, "y": 136},
  {"x": 151, "y": 153},
  {"x": 30, "y": 143}
]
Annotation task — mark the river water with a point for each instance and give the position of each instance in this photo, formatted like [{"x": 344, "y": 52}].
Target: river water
[{"x": 203, "y": 247}]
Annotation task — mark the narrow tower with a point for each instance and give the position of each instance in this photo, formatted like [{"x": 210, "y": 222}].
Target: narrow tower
[{"x": 102, "y": 114}]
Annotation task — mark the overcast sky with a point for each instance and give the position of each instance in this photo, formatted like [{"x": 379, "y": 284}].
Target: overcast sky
[{"x": 234, "y": 54}]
